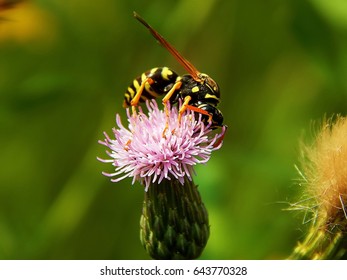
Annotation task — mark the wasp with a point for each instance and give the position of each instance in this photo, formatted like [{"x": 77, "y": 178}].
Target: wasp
[{"x": 197, "y": 91}]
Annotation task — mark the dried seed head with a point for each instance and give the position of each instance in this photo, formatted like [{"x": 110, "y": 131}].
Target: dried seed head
[{"x": 325, "y": 169}]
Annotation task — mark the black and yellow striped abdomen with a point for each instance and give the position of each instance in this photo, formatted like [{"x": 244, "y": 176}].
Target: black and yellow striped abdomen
[{"x": 162, "y": 79}]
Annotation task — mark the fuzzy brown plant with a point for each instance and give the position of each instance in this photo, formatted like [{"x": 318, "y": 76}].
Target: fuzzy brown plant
[
  {"x": 326, "y": 170},
  {"x": 324, "y": 174}
]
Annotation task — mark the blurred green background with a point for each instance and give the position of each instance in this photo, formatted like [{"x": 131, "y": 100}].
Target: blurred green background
[{"x": 64, "y": 67}]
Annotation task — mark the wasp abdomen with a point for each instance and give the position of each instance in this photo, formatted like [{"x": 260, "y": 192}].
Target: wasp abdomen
[{"x": 157, "y": 82}]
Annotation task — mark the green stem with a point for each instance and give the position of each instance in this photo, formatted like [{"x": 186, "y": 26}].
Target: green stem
[
  {"x": 174, "y": 222},
  {"x": 321, "y": 244}
]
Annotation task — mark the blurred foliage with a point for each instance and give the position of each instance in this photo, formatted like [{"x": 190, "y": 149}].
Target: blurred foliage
[{"x": 64, "y": 66}]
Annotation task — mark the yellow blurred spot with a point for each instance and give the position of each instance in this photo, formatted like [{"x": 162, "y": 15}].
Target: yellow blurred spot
[{"x": 26, "y": 22}]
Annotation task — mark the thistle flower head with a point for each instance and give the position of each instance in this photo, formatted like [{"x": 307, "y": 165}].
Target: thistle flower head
[
  {"x": 325, "y": 171},
  {"x": 148, "y": 152}
]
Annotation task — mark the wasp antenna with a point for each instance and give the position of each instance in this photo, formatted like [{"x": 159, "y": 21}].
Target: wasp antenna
[
  {"x": 184, "y": 62},
  {"x": 140, "y": 19}
]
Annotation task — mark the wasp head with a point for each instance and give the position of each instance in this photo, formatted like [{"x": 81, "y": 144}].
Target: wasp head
[
  {"x": 210, "y": 88},
  {"x": 208, "y": 81}
]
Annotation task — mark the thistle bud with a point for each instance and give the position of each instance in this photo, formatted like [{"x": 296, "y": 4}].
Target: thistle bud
[{"x": 174, "y": 221}]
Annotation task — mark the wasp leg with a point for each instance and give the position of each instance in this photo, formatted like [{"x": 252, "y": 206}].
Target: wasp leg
[
  {"x": 186, "y": 106},
  {"x": 166, "y": 98},
  {"x": 175, "y": 87},
  {"x": 183, "y": 108},
  {"x": 135, "y": 101}
]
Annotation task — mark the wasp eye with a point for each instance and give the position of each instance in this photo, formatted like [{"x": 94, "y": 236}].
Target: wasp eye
[{"x": 209, "y": 82}]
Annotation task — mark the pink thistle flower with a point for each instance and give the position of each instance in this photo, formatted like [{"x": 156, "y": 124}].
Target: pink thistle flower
[{"x": 143, "y": 152}]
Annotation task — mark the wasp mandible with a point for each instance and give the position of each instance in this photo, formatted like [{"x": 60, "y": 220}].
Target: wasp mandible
[{"x": 198, "y": 91}]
